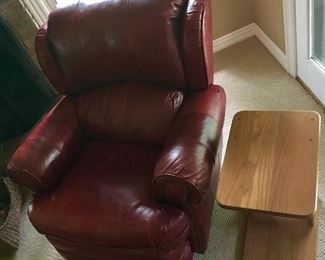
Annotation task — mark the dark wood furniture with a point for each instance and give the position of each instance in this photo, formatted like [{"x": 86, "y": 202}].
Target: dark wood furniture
[{"x": 25, "y": 94}]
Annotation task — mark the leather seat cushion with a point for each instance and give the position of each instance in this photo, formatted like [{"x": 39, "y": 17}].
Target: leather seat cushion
[{"x": 106, "y": 199}]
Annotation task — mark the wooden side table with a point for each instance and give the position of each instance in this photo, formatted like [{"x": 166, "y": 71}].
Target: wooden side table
[{"x": 270, "y": 170}]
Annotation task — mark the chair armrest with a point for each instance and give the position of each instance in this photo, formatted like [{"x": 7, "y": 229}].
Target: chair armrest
[
  {"x": 183, "y": 170},
  {"x": 40, "y": 161}
]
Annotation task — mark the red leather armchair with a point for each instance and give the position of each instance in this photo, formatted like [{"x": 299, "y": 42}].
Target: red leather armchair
[{"x": 125, "y": 166}]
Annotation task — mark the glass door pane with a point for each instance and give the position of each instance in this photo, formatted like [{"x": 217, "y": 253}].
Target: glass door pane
[{"x": 318, "y": 30}]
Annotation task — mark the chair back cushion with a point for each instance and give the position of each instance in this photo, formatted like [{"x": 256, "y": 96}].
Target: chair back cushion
[
  {"x": 98, "y": 42},
  {"x": 138, "y": 113},
  {"x": 163, "y": 42}
]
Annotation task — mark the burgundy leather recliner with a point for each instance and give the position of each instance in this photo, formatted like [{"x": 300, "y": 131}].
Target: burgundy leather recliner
[{"x": 126, "y": 165}]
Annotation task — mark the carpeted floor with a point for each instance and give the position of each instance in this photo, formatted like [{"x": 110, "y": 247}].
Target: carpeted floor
[{"x": 253, "y": 80}]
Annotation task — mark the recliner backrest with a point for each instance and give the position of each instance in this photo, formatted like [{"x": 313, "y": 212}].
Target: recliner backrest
[
  {"x": 94, "y": 43},
  {"x": 128, "y": 63}
]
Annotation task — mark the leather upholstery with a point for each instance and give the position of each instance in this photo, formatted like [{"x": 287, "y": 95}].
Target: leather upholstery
[
  {"x": 149, "y": 26},
  {"x": 47, "y": 61},
  {"x": 181, "y": 252},
  {"x": 189, "y": 152},
  {"x": 114, "y": 112},
  {"x": 187, "y": 169},
  {"x": 184, "y": 60},
  {"x": 138, "y": 220},
  {"x": 197, "y": 44},
  {"x": 126, "y": 165},
  {"x": 49, "y": 149}
]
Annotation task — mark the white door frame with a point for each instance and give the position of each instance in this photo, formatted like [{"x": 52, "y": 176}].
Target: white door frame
[
  {"x": 308, "y": 70},
  {"x": 289, "y": 14}
]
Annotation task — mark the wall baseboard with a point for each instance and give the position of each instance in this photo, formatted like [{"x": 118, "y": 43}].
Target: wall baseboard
[
  {"x": 234, "y": 37},
  {"x": 247, "y": 32},
  {"x": 277, "y": 53}
]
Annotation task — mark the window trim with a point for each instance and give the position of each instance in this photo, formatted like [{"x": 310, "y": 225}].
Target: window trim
[{"x": 38, "y": 10}]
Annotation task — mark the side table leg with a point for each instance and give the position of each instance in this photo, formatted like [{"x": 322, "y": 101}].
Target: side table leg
[
  {"x": 280, "y": 238},
  {"x": 313, "y": 219}
]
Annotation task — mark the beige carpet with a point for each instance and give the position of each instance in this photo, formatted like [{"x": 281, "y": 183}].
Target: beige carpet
[{"x": 253, "y": 80}]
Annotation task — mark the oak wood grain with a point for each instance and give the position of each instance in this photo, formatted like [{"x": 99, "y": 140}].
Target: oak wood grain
[
  {"x": 279, "y": 238},
  {"x": 271, "y": 163}
]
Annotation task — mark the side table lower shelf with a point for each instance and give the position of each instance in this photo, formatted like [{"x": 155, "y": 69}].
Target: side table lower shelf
[{"x": 275, "y": 238}]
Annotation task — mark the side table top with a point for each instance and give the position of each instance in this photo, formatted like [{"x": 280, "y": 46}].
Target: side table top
[{"x": 271, "y": 163}]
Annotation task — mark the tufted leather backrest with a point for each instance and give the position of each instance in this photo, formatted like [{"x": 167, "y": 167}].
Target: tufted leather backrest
[{"x": 94, "y": 43}]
